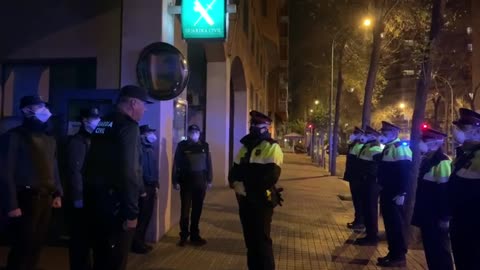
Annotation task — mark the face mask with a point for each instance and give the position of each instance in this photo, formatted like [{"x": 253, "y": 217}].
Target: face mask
[
  {"x": 195, "y": 136},
  {"x": 91, "y": 125},
  {"x": 151, "y": 138},
  {"x": 458, "y": 136},
  {"x": 382, "y": 139},
  {"x": 423, "y": 147},
  {"x": 42, "y": 114}
]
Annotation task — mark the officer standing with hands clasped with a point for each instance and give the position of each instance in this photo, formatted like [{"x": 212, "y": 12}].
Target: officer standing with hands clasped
[
  {"x": 464, "y": 191},
  {"x": 368, "y": 158},
  {"x": 431, "y": 212},
  {"x": 255, "y": 172},
  {"x": 151, "y": 184},
  {"x": 114, "y": 180},
  {"x": 78, "y": 147},
  {"x": 29, "y": 183},
  {"x": 393, "y": 173},
  {"x": 352, "y": 176},
  {"x": 192, "y": 175}
]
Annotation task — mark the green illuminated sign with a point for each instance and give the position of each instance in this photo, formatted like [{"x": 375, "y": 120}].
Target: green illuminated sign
[{"x": 203, "y": 19}]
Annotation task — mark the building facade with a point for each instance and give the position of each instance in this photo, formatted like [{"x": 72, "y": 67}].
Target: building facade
[{"x": 67, "y": 51}]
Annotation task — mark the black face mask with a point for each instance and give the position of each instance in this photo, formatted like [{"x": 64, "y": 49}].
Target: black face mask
[{"x": 257, "y": 131}]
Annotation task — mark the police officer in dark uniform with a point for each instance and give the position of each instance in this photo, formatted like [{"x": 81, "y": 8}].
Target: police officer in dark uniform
[
  {"x": 151, "y": 183},
  {"x": 368, "y": 157},
  {"x": 255, "y": 172},
  {"x": 77, "y": 149},
  {"x": 464, "y": 191},
  {"x": 351, "y": 175},
  {"x": 192, "y": 175},
  {"x": 431, "y": 212},
  {"x": 393, "y": 174},
  {"x": 114, "y": 180},
  {"x": 29, "y": 183}
]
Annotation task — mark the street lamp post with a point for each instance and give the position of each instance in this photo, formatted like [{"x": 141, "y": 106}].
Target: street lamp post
[{"x": 367, "y": 22}]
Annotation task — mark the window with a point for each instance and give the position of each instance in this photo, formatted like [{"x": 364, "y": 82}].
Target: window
[
  {"x": 264, "y": 8},
  {"x": 408, "y": 72},
  {"x": 245, "y": 17},
  {"x": 469, "y": 30},
  {"x": 409, "y": 42}
]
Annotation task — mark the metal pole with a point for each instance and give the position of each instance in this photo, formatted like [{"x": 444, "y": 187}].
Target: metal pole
[
  {"x": 330, "y": 108},
  {"x": 451, "y": 107}
]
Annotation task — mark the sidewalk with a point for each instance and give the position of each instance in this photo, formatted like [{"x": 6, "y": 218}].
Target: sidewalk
[{"x": 308, "y": 232}]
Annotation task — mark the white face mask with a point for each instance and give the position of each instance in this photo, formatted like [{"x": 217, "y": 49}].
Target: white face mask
[
  {"x": 42, "y": 114},
  {"x": 423, "y": 147},
  {"x": 195, "y": 136},
  {"x": 91, "y": 124},
  {"x": 382, "y": 139},
  {"x": 353, "y": 137},
  {"x": 151, "y": 138},
  {"x": 458, "y": 135}
]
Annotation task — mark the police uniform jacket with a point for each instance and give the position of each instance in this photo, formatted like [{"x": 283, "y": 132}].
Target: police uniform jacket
[
  {"x": 150, "y": 165},
  {"x": 431, "y": 204},
  {"x": 191, "y": 159},
  {"x": 28, "y": 160},
  {"x": 351, "y": 166},
  {"x": 77, "y": 148},
  {"x": 257, "y": 165},
  {"x": 368, "y": 158},
  {"x": 394, "y": 168},
  {"x": 113, "y": 163}
]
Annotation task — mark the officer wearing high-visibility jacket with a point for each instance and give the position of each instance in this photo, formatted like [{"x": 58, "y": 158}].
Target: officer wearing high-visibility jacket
[
  {"x": 464, "y": 192},
  {"x": 393, "y": 173},
  {"x": 431, "y": 213},
  {"x": 351, "y": 175},
  {"x": 255, "y": 172},
  {"x": 368, "y": 158}
]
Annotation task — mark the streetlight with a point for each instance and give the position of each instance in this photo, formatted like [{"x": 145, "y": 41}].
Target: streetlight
[
  {"x": 367, "y": 23},
  {"x": 311, "y": 110},
  {"x": 317, "y": 102},
  {"x": 402, "y": 105}
]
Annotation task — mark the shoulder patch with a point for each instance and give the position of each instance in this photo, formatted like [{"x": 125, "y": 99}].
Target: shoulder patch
[{"x": 258, "y": 152}]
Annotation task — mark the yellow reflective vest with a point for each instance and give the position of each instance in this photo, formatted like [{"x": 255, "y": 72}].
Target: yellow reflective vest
[{"x": 258, "y": 166}]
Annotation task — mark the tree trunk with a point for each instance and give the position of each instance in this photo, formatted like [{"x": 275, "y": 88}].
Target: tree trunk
[
  {"x": 420, "y": 102},
  {"x": 436, "y": 107},
  {"x": 372, "y": 71},
  {"x": 337, "y": 108}
]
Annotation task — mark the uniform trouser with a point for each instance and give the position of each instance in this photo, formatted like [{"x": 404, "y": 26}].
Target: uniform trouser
[
  {"x": 79, "y": 247},
  {"x": 355, "y": 189},
  {"x": 436, "y": 244},
  {"x": 256, "y": 223},
  {"x": 28, "y": 232},
  {"x": 465, "y": 223},
  {"x": 369, "y": 199},
  {"x": 192, "y": 197},
  {"x": 111, "y": 242},
  {"x": 394, "y": 220},
  {"x": 145, "y": 205}
]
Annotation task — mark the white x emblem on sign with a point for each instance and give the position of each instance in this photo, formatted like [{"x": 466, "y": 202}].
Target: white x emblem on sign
[{"x": 204, "y": 12}]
